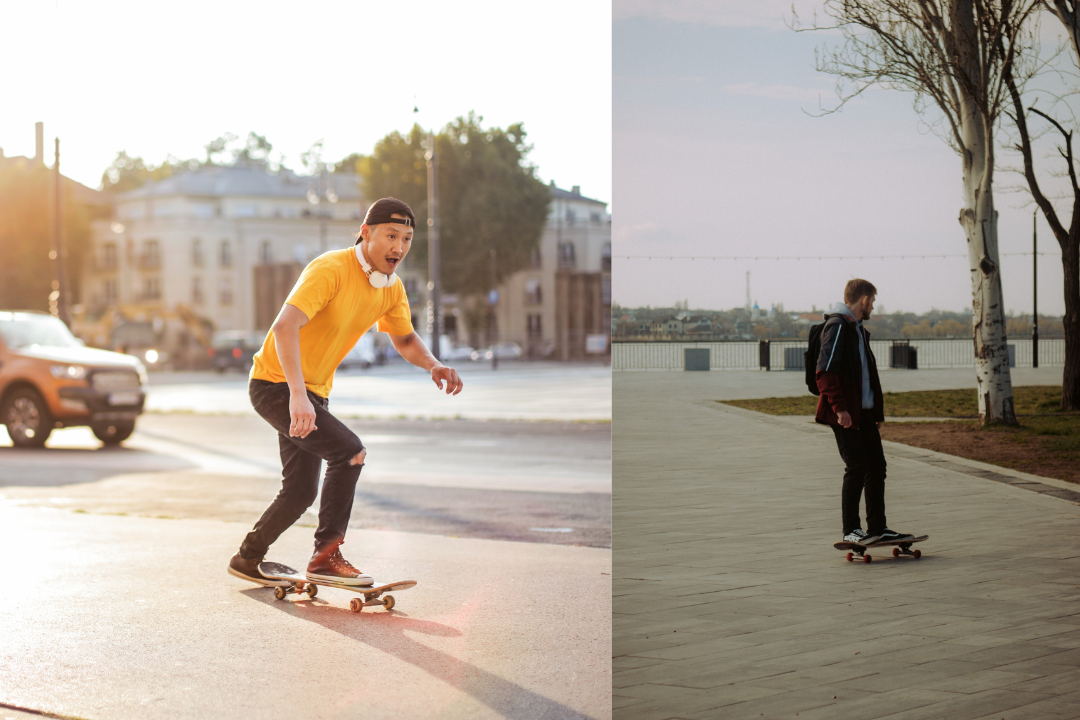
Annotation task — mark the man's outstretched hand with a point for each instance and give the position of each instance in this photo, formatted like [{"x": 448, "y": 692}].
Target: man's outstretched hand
[{"x": 441, "y": 374}]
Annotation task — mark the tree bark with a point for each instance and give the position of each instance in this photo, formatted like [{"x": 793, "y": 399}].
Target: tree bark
[
  {"x": 979, "y": 220},
  {"x": 1070, "y": 262}
]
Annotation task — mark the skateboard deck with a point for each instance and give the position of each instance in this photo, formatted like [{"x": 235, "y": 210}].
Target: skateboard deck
[
  {"x": 294, "y": 581},
  {"x": 901, "y": 548}
]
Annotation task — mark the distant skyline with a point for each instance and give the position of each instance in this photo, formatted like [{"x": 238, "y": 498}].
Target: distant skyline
[
  {"x": 155, "y": 79},
  {"x": 717, "y": 153}
]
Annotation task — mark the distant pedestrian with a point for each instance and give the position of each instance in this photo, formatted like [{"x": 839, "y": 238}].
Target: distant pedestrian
[
  {"x": 851, "y": 403},
  {"x": 340, "y": 295}
]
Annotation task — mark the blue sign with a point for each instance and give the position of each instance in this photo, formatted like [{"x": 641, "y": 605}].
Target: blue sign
[{"x": 493, "y": 297}]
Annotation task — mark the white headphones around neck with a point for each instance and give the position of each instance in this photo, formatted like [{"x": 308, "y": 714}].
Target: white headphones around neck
[{"x": 376, "y": 278}]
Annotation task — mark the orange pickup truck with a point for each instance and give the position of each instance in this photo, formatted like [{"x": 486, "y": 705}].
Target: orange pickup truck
[{"x": 49, "y": 379}]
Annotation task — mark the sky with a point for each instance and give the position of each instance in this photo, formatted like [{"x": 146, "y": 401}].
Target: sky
[
  {"x": 156, "y": 79},
  {"x": 720, "y": 149}
]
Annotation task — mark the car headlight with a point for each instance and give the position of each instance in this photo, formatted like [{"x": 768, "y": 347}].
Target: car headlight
[
  {"x": 68, "y": 372},
  {"x": 151, "y": 356}
]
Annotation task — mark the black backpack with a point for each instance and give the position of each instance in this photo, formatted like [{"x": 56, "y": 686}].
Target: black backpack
[{"x": 813, "y": 350}]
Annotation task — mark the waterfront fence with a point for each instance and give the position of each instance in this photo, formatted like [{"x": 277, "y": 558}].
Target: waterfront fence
[{"x": 788, "y": 354}]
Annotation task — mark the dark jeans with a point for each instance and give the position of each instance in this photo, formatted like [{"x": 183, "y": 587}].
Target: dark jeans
[
  {"x": 301, "y": 460},
  {"x": 864, "y": 461}
]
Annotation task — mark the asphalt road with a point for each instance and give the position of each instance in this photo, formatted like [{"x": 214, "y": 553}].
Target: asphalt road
[{"x": 546, "y": 482}]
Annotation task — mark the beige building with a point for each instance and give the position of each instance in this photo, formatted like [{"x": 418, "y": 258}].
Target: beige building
[
  {"x": 563, "y": 302},
  {"x": 197, "y": 239}
]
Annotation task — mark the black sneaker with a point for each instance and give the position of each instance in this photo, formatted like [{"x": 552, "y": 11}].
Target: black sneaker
[
  {"x": 331, "y": 566},
  {"x": 248, "y": 570},
  {"x": 888, "y": 534},
  {"x": 856, "y": 536}
]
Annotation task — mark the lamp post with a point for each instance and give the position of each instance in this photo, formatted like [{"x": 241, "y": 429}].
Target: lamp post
[
  {"x": 1035, "y": 291},
  {"x": 434, "y": 296},
  {"x": 58, "y": 300}
]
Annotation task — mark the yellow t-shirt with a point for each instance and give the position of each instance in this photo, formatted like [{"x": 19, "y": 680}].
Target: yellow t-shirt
[{"x": 341, "y": 305}]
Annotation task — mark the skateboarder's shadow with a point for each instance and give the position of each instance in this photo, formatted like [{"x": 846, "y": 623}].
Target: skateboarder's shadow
[{"x": 390, "y": 633}]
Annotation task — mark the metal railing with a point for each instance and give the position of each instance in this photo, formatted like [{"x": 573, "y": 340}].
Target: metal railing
[{"x": 788, "y": 354}]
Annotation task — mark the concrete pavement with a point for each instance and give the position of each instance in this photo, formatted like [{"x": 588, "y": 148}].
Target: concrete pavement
[
  {"x": 127, "y": 617},
  {"x": 516, "y": 391},
  {"x": 729, "y": 601}
]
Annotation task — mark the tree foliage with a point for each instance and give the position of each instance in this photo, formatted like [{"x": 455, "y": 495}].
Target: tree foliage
[
  {"x": 489, "y": 197},
  {"x": 26, "y": 236}
]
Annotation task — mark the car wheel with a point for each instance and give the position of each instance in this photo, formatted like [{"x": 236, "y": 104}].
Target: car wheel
[
  {"x": 114, "y": 433},
  {"x": 27, "y": 418}
]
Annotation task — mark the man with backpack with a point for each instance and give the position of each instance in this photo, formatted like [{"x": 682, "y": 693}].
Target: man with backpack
[{"x": 846, "y": 379}]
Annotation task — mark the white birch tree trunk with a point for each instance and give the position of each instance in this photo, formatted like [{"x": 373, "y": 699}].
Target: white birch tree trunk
[{"x": 979, "y": 220}]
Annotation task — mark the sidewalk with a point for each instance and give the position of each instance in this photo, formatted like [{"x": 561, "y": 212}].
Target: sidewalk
[
  {"x": 729, "y": 601},
  {"x": 124, "y": 617}
]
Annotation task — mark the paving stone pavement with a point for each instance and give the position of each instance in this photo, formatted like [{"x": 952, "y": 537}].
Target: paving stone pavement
[{"x": 729, "y": 601}]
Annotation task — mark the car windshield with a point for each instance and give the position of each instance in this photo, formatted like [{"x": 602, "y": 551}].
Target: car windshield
[{"x": 21, "y": 330}]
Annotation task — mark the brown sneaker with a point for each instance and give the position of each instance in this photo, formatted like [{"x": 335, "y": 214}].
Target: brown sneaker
[
  {"x": 329, "y": 565},
  {"x": 246, "y": 569}
]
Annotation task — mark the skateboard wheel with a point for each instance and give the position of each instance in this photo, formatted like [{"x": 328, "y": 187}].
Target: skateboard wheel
[
  {"x": 312, "y": 590},
  {"x": 850, "y": 556},
  {"x": 356, "y": 605},
  {"x": 917, "y": 554},
  {"x": 388, "y": 601},
  {"x": 896, "y": 552},
  {"x": 867, "y": 558},
  {"x": 279, "y": 592}
]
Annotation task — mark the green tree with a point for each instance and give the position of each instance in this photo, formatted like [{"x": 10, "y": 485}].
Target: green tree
[
  {"x": 26, "y": 236},
  {"x": 489, "y": 197}
]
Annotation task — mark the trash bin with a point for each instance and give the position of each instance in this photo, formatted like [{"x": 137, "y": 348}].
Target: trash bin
[
  {"x": 764, "y": 360},
  {"x": 902, "y": 356},
  {"x": 696, "y": 359}
]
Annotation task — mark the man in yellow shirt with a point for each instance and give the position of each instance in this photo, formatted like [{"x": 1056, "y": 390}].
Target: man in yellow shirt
[{"x": 338, "y": 298}]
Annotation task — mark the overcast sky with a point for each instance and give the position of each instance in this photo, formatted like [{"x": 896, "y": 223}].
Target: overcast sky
[
  {"x": 715, "y": 153},
  {"x": 159, "y": 78}
]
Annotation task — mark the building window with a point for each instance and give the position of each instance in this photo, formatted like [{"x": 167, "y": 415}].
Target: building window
[
  {"x": 226, "y": 297},
  {"x": 412, "y": 289},
  {"x": 196, "y": 253},
  {"x": 570, "y": 216},
  {"x": 535, "y": 327},
  {"x": 151, "y": 258},
  {"x": 109, "y": 257},
  {"x": 567, "y": 256},
  {"x": 226, "y": 254},
  {"x": 152, "y": 288},
  {"x": 595, "y": 217},
  {"x": 110, "y": 294},
  {"x": 534, "y": 294},
  {"x": 196, "y": 291},
  {"x": 535, "y": 260},
  {"x": 605, "y": 257},
  {"x": 266, "y": 253}
]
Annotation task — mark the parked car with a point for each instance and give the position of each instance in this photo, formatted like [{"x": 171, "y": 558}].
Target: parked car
[
  {"x": 49, "y": 379},
  {"x": 505, "y": 350},
  {"x": 234, "y": 349},
  {"x": 455, "y": 351}
]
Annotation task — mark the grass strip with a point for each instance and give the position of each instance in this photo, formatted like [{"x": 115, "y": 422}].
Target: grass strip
[
  {"x": 1046, "y": 443},
  {"x": 1028, "y": 400}
]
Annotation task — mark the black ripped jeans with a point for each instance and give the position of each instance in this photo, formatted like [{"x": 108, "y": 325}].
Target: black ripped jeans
[
  {"x": 864, "y": 473},
  {"x": 301, "y": 460}
]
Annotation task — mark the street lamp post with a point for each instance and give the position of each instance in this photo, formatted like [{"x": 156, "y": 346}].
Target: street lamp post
[
  {"x": 434, "y": 297},
  {"x": 58, "y": 301},
  {"x": 1035, "y": 291}
]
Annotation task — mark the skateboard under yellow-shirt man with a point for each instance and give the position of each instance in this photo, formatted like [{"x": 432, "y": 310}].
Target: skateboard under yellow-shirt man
[{"x": 339, "y": 296}]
